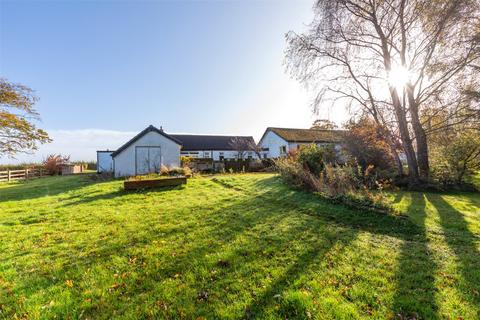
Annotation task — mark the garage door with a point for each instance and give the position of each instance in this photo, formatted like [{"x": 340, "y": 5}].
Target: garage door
[{"x": 147, "y": 159}]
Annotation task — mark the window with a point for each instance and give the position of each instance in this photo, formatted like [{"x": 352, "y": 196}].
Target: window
[
  {"x": 283, "y": 150},
  {"x": 206, "y": 154},
  {"x": 250, "y": 155},
  {"x": 221, "y": 156},
  {"x": 264, "y": 156},
  {"x": 189, "y": 154}
]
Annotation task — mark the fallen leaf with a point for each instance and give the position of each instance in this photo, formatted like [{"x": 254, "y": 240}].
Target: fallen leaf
[{"x": 69, "y": 283}]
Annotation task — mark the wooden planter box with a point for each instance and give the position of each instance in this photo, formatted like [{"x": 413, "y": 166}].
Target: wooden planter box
[{"x": 155, "y": 183}]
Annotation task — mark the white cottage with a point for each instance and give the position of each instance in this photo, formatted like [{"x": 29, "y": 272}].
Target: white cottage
[
  {"x": 144, "y": 153},
  {"x": 277, "y": 142},
  {"x": 217, "y": 147}
]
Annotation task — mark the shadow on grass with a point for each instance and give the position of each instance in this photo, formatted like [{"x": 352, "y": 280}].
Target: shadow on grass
[
  {"x": 395, "y": 226},
  {"x": 370, "y": 221},
  {"x": 415, "y": 288},
  {"x": 85, "y": 199},
  {"x": 41, "y": 187},
  {"x": 305, "y": 261},
  {"x": 463, "y": 243},
  {"x": 192, "y": 242}
]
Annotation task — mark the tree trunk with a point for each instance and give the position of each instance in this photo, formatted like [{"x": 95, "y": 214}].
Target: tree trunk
[
  {"x": 399, "y": 110},
  {"x": 396, "y": 157},
  {"x": 405, "y": 137},
  {"x": 420, "y": 136},
  {"x": 398, "y": 162}
]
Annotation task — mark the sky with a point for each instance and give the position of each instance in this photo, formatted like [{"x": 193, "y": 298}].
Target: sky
[{"x": 105, "y": 70}]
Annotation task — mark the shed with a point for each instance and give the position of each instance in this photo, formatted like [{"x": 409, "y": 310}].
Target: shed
[
  {"x": 104, "y": 161},
  {"x": 68, "y": 169},
  {"x": 146, "y": 153}
]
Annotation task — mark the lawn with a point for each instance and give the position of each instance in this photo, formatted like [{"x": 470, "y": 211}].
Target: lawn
[{"x": 232, "y": 247}]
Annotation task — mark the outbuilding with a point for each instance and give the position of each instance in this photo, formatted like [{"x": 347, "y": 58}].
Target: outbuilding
[
  {"x": 146, "y": 153},
  {"x": 277, "y": 142},
  {"x": 104, "y": 161}
]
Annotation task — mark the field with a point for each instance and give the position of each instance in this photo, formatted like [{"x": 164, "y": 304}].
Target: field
[{"x": 232, "y": 247}]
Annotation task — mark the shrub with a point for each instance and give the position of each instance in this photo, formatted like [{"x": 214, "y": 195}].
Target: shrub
[
  {"x": 54, "y": 162},
  {"x": 185, "y": 161},
  {"x": 187, "y": 171},
  {"x": 367, "y": 143},
  {"x": 20, "y": 166},
  {"x": 339, "y": 183},
  {"x": 315, "y": 158},
  {"x": 164, "y": 171},
  {"x": 175, "y": 171},
  {"x": 455, "y": 156}
]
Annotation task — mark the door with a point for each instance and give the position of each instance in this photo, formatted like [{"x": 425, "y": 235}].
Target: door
[{"x": 147, "y": 159}]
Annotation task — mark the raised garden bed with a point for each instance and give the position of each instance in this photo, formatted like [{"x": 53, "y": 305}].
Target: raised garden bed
[{"x": 154, "y": 183}]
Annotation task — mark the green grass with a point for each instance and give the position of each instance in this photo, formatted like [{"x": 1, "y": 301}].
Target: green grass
[{"x": 232, "y": 247}]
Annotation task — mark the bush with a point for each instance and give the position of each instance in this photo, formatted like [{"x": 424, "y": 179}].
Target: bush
[
  {"x": 346, "y": 184},
  {"x": 185, "y": 161},
  {"x": 315, "y": 158},
  {"x": 164, "y": 171},
  {"x": 455, "y": 156},
  {"x": 20, "y": 166},
  {"x": 175, "y": 171},
  {"x": 187, "y": 171},
  {"x": 366, "y": 142},
  {"x": 54, "y": 162}
]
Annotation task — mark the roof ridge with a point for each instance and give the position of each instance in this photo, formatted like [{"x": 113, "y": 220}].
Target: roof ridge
[
  {"x": 141, "y": 134},
  {"x": 306, "y": 129},
  {"x": 200, "y": 134},
  {"x": 307, "y": 135}
]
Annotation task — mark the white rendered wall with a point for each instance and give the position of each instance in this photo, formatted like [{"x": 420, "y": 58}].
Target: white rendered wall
[
  {"x": 104, "y": 161},
  {"x": 227, "y": 154},
  {"x": 273, "y": 142},
  {"x": 124, "y": 163}
]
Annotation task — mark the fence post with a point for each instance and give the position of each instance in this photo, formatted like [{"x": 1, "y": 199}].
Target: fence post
[
  {"x": 8, "y": 175},
  {"x": 26, "y": 174}
]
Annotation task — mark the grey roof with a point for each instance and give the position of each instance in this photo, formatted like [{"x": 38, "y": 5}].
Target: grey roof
[
  {"x": 308, "y": 135},
  {"x": 192, "y": 142},
  {"x": 150, "y": 128}
]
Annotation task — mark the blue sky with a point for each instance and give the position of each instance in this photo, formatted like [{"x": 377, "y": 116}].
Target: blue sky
[{"x": 106, "y": 69}]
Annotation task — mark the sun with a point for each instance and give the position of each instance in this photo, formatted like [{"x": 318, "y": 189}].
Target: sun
[{"x": 398, "y": 77}]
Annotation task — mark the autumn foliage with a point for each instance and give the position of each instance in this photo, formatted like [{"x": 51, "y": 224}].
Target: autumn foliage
[
  {"x": 54, "y": 162},
  {"x": 365, "y": 141},
  {"x": 18, "y": 133}
]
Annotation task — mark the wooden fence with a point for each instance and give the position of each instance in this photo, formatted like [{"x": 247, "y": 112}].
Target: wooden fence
[{"x": 24, "y": 174}]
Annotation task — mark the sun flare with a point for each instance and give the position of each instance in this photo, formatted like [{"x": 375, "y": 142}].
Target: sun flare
[{"x": 398, "y": 77}]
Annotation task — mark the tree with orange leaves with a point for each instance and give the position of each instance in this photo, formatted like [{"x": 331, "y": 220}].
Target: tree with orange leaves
[{"x": 18, "y": 132}]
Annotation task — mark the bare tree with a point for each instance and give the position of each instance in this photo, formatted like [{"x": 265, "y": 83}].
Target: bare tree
[
  {"x": 255, "y": 148},
  {"x": 242, "y": 146},
  {"x": 392, "y": 59},
  {"x": 323, "y": 124}
]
